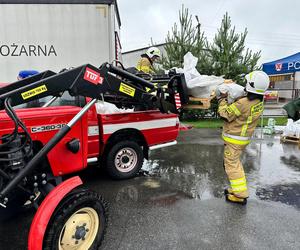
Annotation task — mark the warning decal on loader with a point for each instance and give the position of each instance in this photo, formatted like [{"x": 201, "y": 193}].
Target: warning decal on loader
[
  {"x": 34, "y": 92},
  {"x": 124, "y": 88}
]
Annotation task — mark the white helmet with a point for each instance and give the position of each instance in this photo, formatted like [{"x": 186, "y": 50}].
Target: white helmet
[
  {"x": 153, "y": 51},
  {"x": 257, "y": 82}
]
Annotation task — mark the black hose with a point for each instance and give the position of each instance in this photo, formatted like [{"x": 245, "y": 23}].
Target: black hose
[
  {"x": 13, "y": 135},
  {"x": 18, "y": 123},
  {"x": 27, "y": 135},
  {"x": 13, "y": 115}
]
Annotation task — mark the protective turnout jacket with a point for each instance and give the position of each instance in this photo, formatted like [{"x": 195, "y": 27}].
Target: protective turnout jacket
[
  {"x": 145, "y": 65},
  {"x": 241, "y": 118}
]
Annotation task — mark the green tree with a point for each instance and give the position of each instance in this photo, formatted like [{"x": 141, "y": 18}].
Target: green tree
[
  {"x": 183, "y": 38},
  {"x": 228, "y": 54}
]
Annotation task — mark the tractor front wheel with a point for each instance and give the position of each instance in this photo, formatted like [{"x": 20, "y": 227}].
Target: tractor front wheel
[{"x": 78, "y": 223}]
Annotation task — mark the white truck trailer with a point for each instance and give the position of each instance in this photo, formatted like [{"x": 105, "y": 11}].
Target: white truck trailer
[{"x": 55, "y": 34}]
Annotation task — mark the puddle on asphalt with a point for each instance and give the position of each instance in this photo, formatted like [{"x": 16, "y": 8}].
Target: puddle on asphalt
[{"x": 273, "y": 170}]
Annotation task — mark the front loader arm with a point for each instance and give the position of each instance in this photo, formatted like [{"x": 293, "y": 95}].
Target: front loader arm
[{"x": 87, "y": 81}]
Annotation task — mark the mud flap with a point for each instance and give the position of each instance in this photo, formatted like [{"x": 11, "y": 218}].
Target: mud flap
[{"x": 45, "y": 211}]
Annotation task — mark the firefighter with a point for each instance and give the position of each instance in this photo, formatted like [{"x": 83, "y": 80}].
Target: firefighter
[
  {"x": 240, "y": 120},
  {"x": 146, "y": 61}
]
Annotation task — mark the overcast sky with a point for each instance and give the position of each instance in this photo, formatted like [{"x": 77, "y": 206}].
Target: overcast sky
[{"x": 273, "y": 25}]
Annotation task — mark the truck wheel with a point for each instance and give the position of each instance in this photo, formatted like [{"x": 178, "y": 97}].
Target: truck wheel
[
  {"x": 78, "y": 223},
  {"x": 124, "y": 160}
]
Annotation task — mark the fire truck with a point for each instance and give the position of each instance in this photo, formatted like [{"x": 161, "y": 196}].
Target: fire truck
[{"x": 50, "y": 130}]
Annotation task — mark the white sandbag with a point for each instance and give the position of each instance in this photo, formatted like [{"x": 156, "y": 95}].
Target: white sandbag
[
  {"x": 109, "y": 108},
  {"x": 292, "y": 128},
  {"x": 203, "y": 86},
  {"x": 233, "y": 90},
  {"x": 198, "y": 85}
]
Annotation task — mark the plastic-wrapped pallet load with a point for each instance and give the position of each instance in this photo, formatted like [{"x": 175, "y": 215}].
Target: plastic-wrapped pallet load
[
  {"x": 270, "y": 128},
  {"x": 292, "y": 129}
]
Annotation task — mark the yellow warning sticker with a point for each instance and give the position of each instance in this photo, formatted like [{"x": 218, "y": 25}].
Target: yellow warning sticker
[
  {"x": 128, "y": 90},
  {"x": 34, "y": 92}
]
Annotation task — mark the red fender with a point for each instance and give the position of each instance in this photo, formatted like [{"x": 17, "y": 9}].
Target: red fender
[{"x": 45, "y": 211}]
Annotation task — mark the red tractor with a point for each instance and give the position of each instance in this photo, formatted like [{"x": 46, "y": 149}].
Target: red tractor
[{"x": 36, "y": 160}]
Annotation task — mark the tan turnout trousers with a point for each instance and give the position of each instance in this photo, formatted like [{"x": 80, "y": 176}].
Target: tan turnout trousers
[{"x": 234, "y": 169}]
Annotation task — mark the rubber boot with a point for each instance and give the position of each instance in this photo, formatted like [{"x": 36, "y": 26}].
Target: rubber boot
[
  {"x": 228, "y": 191},
  {"x": 234, "y": 199}
]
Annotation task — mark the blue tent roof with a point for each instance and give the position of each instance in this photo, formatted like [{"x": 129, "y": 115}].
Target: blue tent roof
[{"x": 285, "y": 65}]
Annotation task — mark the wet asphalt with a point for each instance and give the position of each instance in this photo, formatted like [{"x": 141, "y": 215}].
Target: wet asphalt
[{"x": 177, "y": 200}]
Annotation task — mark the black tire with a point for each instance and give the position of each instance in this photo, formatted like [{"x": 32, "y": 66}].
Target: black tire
[
  {"x": 116, "y": 160},
  {"x": 78, "y": 202}
]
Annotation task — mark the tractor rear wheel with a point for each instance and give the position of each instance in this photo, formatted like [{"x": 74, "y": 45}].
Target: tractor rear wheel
[{"x": 78, "y": 223}]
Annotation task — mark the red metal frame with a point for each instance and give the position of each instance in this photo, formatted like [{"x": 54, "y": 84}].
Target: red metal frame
[
  {"x": 91, "y": 146},
  {"x": 152, "y": 136},
  {"x": 45, "y": 211}
]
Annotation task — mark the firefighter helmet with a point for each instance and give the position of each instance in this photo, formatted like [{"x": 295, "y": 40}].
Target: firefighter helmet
[
  {"x": 153, "y": 51},
  {"x": 257, "y": 82}
]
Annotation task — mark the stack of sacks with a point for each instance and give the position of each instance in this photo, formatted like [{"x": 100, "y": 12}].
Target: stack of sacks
[{"x": 292, "y": 129}]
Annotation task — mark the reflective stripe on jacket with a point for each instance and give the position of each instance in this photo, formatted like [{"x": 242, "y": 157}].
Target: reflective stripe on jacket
[
  {"x": 239, "y": 140},
  {"x": 241, "y": 118}
]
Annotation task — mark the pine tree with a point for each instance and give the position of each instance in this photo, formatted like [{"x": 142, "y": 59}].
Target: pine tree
[
  {"x": 228, "y": 54},
  {"x": 183, "y": 38}
]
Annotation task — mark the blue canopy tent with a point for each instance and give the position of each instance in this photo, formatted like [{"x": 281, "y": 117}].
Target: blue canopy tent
[
  {"x": 283, "y": 70},
  {"x": 287, "y": 65}
]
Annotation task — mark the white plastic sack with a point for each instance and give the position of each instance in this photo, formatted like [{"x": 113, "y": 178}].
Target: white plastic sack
[
  {"x": 109, "y": 108},
  {"x": 292, "y": 128},
  {"x": 233, "y": 90},
  {"x": 203, "y": 86},
  {"x": 198, "y": 85},
  {"x": 189, "y": 65}
]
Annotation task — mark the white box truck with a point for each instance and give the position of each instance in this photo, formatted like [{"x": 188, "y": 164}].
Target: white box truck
[{"x": 57, "y": 34}]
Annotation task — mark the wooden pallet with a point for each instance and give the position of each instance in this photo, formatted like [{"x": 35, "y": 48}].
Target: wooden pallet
[
  {"x": 203, "y": 103},
  {"x": 199, "y": 103},
  {"x": 290, "y": 139}
]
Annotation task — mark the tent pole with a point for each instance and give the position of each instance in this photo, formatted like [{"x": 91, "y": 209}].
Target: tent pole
[{"x": 293, "y": 93}]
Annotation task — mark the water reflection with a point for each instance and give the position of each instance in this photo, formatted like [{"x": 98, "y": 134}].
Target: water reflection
[
  {"x": 193, "y": 169},
  {"x": 288, "y": 194},
  {"x": 272, "y": 169},
  {"x": 146, "y": 191}
]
